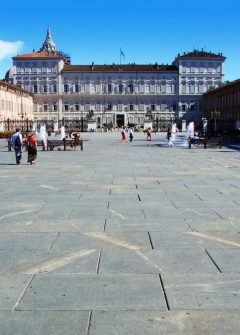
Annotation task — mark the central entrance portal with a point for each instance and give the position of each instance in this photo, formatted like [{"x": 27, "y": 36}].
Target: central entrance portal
[{"x": 120, "y": 120}]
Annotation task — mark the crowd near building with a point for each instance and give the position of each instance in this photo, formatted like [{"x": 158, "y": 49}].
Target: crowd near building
[{"x": 117, "y": 93}]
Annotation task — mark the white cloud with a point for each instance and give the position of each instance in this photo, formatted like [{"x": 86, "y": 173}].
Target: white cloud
[{"x": 9, "y": 48}]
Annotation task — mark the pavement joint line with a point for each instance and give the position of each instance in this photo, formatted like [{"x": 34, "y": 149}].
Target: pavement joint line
[
  {"x": 150, "y": 239},
  {"x": 218, "y": 268},
  {"x": 104, "y": 226},
  {"x": 89, "y": 323},
  {"x": 198, "y": 197},
  {"x": 54, "y": 240},
  {"x": 143, "y": 213},
  {"x": 164, "y": 292},
  {"x": 69, "y": 214},
  {"x": 98, "y": 261},
  {"x": 220, "y": 216},
  {"x": 22, "y": 294}
]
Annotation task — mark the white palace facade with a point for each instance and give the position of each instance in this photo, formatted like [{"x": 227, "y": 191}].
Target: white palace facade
[{"x": 116, "y": 93}]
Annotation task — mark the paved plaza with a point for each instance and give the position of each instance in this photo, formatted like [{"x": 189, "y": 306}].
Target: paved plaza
[{"x": 120, "y": 239}]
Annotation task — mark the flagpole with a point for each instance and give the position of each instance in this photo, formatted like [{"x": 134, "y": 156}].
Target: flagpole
[{"x": 120, "y": 57}]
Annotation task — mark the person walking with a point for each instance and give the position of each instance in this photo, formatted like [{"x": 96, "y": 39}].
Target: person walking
[
  {"x": 169, "y": 138},
  {"x": 16, "y": 141},
  {"x": 130, "y": 134},
  {"x": 123, "y": 133},
  {"x": 149, "y": 137},
  {"x": 32, "y": 148}
]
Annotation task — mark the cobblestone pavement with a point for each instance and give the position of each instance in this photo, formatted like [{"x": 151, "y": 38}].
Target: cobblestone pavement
[{"x": 121, "y": 238}]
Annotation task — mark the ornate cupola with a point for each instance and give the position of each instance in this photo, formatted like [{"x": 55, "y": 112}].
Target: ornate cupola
[{"x": 48, "y": 45}]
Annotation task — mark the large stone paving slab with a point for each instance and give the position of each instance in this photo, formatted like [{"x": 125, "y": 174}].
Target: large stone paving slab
[
  {"x": 26, "y": 240},
  {"x": 11, "y": 288},
  {"x": 228, "y": 260},
  {"x": 209, "y": 322},
  {"x": 160, "y": 224},
  {"x": 36, "y": 261},
  {"x": 203, "y": 291},
  {"x": 130, "y": 240},
  {"x": 93, "y": 292},
  {"x": 155, "y": 261},
  {"x": 210, "y": 239},
  {"x": 214, "y": 224},
  {"x": 44, "y": 322}
]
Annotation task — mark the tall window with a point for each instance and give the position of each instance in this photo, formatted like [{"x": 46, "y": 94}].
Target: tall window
[
  {"x": 54, "y": 88},
  {"x": 35, "y": 89},
  {"x": 130, "y": 88},
  {"x": 45, "y": 107},
  {"x": 76, "y": 106},
  {"x": 45, "y": 88},
  {"x": 66, "y": 107},
  {"x": 109, "y": 88},
  {"x": 119, "y": 106},
  {"x": 54, "y": 106},
  {"x": 98, "y": 106},
  {"x": 131, "y": 106},
  {"x": 66, "y": 88},
  {"x": 76, "y": 88},
  {"x": 109, "y": 106},
  {"x": 120, "y": 88},
  {"x": 153, "y": 107}
]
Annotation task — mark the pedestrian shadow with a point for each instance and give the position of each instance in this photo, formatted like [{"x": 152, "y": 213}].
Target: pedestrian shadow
[
  {"x": 8, "y": 164},
  {"x": 13, "y": 164}
]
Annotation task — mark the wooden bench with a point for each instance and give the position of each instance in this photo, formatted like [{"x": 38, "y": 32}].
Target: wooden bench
[
  {"x": 206, "y": 142},
  {"x": 214, "y": 142},
  {"x": 40, "y": 143},
  {"x": 51, "y": 144},
  {"x": 197, "y": 141}
]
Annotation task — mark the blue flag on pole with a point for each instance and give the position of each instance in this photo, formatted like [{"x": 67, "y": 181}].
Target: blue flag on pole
[{"x": 122, "y": 53}]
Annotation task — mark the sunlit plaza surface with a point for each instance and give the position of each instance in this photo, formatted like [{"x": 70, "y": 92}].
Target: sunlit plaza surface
[{"x": 120, "y": 239}]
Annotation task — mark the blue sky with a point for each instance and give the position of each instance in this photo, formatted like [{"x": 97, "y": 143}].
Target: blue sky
[{"x": 148, "y": 31}]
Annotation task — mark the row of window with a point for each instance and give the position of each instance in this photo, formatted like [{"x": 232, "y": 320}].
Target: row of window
[
  {"x": 108, "y": 107},
  {"x": 195, "y": 67},
  {"x": 16, "y": 107},
  {"x": 197, "y": 89}
]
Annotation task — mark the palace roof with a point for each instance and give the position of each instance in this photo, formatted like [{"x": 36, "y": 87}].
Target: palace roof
[
  {"x": 120, "y": 68},
  {"x": 39, "y": 55},
  {"x": 196, "y": 54},
  {"x": 14, "y": 88}
]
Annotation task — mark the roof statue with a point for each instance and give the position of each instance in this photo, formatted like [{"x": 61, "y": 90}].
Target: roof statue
[{"x": 48, "y": 45}]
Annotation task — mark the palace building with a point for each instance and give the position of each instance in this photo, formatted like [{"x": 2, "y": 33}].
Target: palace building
[{"x": 116, "y": 93}]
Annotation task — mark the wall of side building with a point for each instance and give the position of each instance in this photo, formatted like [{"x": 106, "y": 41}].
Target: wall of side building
[{"x": 15, "y": 103}]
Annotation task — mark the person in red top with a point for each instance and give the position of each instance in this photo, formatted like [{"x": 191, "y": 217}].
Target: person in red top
[{"x": 32, "y": 148}]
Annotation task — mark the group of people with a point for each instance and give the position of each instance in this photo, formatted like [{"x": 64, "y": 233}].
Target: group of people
[
  {"x": 124, "y": 133},
  {"x": 17, "y": 142}
]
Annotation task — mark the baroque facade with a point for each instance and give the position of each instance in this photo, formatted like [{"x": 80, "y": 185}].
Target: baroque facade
[
  {"x": 15, "y": 104},
  {"x": 120, "y": 94}
]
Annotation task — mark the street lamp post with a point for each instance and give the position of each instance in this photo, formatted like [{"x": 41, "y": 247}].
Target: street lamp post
[{"x": 215, "y": 116}]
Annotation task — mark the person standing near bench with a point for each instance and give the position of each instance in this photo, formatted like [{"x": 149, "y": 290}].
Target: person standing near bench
[
  {"x": 32, "y": 148},
  {"x": 16, "y": 141}
]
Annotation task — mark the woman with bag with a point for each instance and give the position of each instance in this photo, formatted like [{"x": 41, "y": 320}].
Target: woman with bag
[{"x": 32, "y": 148}]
